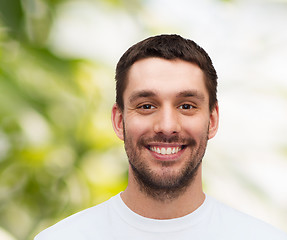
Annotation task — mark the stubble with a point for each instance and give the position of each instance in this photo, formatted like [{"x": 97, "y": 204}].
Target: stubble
[{"x": 168, "y": 185}]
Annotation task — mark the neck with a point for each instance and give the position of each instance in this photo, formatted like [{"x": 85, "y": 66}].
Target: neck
[{"x": 143, "y": 204}]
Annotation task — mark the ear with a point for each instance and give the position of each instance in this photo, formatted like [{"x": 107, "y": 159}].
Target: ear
[
  {"x": 213, "y": 122},
  {"x": 117, "y": 121}
]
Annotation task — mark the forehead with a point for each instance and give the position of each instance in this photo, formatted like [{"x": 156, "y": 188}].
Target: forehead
[{"x": 165, "y": 77}]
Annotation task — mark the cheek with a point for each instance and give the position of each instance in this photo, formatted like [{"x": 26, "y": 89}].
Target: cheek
[
  {"x": 195, "y": 127},
  {"x": 137, "y": 126}
]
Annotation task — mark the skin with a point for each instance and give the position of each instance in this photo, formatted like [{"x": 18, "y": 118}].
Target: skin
[{"x": 166, "y": 105}]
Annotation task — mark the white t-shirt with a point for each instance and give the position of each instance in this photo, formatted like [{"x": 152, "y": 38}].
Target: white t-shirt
[{"x": 114, "y": 220}]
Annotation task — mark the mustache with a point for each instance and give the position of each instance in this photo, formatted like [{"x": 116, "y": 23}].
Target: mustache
[{"x": 161, "y": 138}]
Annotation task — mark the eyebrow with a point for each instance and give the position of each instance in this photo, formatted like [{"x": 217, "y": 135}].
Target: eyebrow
[
  {"x": 141, "y": 94},
  {"x": 147, "y": 93},
  {"x": 191, "y": 93}
]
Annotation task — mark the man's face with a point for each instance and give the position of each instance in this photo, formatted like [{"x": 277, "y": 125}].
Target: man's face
[{"x": 165, "y": 124}]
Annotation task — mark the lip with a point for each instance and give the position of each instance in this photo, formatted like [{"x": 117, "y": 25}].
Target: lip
[{"x": 166, "y": 157}]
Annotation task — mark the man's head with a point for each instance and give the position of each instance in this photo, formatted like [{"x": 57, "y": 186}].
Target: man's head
[
  {"x": 166, "y": 118},
  {"x": 167, "y": 47}
]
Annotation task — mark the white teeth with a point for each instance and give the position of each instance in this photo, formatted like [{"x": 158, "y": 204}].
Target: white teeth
[
  {"x": 168, "y": 151},
  {"x": 165, "y": 151}
]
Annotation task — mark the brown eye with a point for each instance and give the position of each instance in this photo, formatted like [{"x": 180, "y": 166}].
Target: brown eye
[
  {"x": 186, "y": 106},
  {"x": 147, "y": 106}
]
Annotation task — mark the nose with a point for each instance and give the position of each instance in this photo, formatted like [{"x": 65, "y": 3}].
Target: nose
[{"x": 167, "y": 121}]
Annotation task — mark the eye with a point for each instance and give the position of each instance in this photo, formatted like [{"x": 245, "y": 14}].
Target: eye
[
  {"x": 185, "y": 106},
  {"x": 146, "y": 107}
]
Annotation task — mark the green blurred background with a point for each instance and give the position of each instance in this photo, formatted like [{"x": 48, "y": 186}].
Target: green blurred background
[
  {"x": 58, "y": 152},
  {"x": 58, "y": 149}
]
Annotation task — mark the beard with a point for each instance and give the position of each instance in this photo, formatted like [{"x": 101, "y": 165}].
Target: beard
[{"x": 168, "y": 183}]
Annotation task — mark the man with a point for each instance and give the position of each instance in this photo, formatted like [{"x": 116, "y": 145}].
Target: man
[{"x": 166, "y": 110}]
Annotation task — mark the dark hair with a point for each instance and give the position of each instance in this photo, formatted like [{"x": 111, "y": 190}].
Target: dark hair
[{"x": 167, "y": 47}]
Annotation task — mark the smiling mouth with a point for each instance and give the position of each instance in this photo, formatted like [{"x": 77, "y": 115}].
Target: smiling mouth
[{"x": 166, "y": 150}]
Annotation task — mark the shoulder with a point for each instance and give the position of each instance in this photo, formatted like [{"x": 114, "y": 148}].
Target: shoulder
[
  {"x": 242, "y": 226},
  {"x": 78, "y": 225}
]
